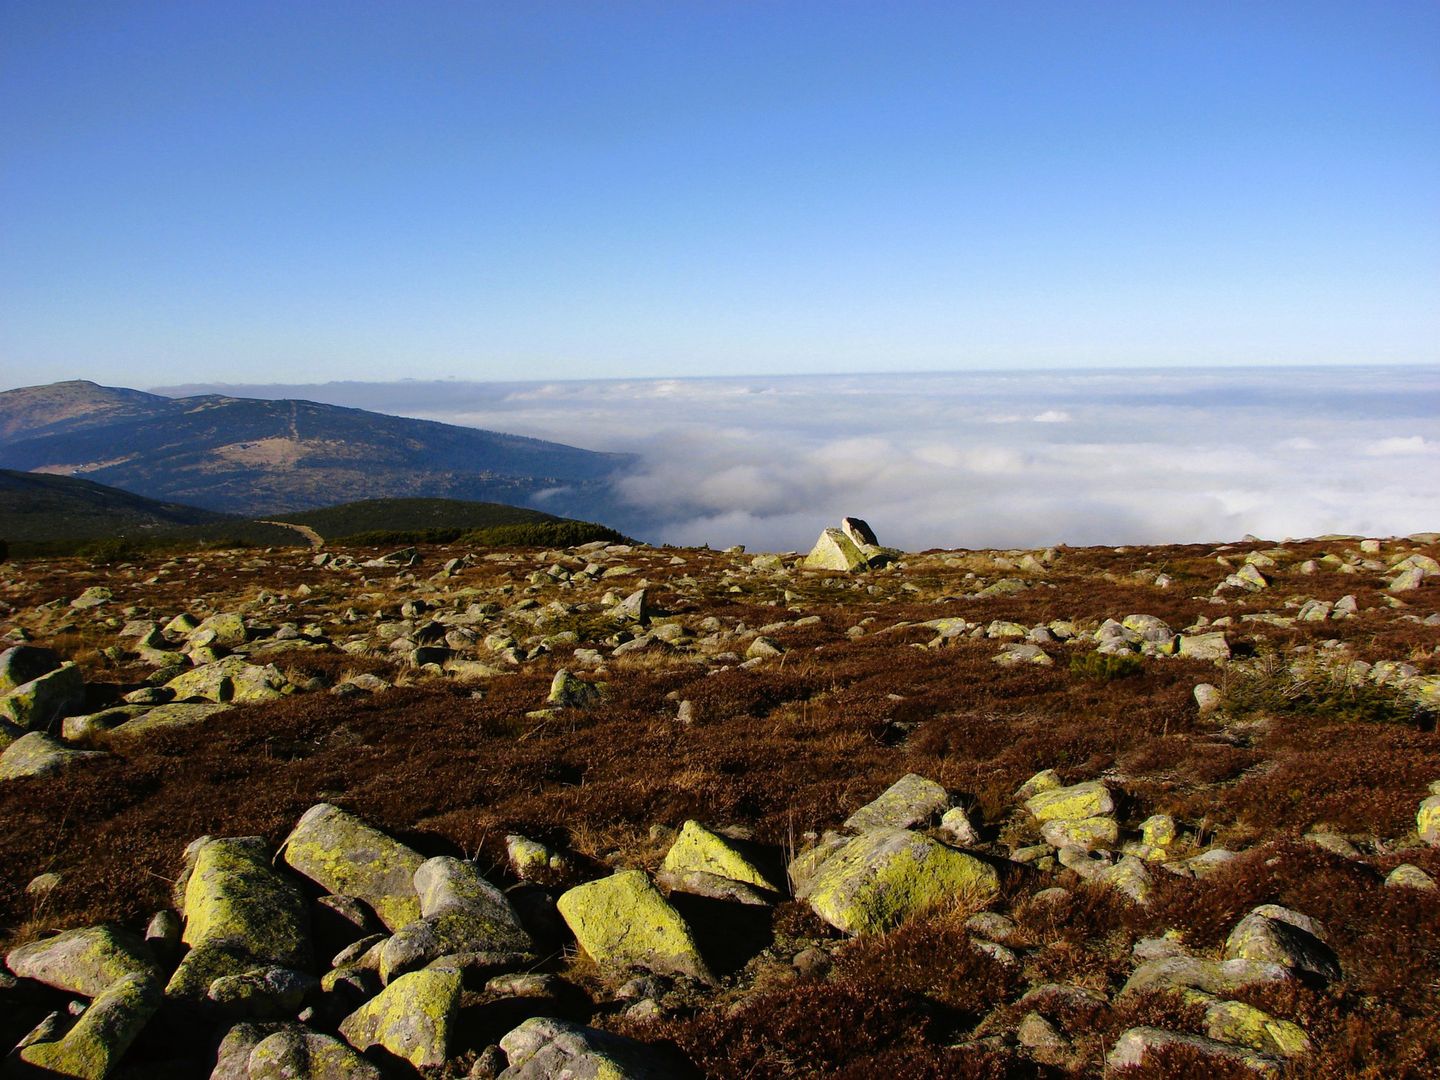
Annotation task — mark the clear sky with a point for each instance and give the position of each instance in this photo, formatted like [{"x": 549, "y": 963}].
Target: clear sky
[{"x": 296, "y": 192}]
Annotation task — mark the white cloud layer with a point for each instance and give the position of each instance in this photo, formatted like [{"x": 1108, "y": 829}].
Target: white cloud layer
[{"x": 984, "y": 459}]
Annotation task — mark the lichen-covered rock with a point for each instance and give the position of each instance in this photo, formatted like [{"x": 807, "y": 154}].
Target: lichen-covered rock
[
  {"x": 568, "y": 692},
  {"x": 264, "y": 992},
  {"x": 296, "y": 1053},
  {"x": 836, "y": 551},
  {"x": 462, "y": 915},
  {"x": 225, "y": 629},
  {"x": 178, "y": 714},
  {"x": 881, "y": 878},
  {"x": 1043, "y": 781},
  {"x": 1208, "y": 698},
  {"x": 1409, "y": 876},
  {"x": 38, "y": 754},
  {"x": 99, "y": 1039},
  {"x": 1087, "y": 834},
  {"x": 91, "y": 727},
  {"x": 544, "y": 1048},
  {"x": 1209, "y": 646},
  {"x": 345, "y": 855},
  {"x": 1136, "y": 1045},
  {"x": 84, "y": 961},
  {"x": 39, "y": 703},
  {"x": 239, "y": 915},
  {"x": 411, "y": 1018},
  {"x": 21, "y": 664},
  {"x": 1221, "y": 978},
  {"x": 1130, "y": 878},
  {"x": 699, "y": 849},
  {"x": 1276, "y": 935},
  {"x": 1089, "y": 799},
  {"x": 1245, "y": 1025},
  {"x": 623, "y": 921},
  {"x": 700, "y": 883},
  {"x": 94, "y": 596},
  {"x": 1427, "y": 821},
  {"x": 958, "y": 829},
  {"x": 530, "y": 860},
  {"x": 1023, "y": 653},
  {"x": 233, "y": 679}
]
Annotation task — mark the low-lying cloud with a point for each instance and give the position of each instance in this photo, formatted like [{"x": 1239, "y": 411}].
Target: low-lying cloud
[{"x": 982, "y": 459}]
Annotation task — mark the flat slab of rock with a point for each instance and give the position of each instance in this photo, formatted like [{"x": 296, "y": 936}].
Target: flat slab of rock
[
  {"x": 179, "y": 714},
  {"x": 232, "y": 679},
  {"x": 85, "y": 961},
  {"x": 1223, "y": 978},
  {"x": 697, "y": 849},
  {"x": 38, "y": 754},
  {"x": 1140, "y": 1045},
  {"x": 623, "y": 921},
  {"x": 1090, "y": 799},
  {"x": 544, "y": 1048},
  {"x": 411, "y": 1018},
  {"x": 239, "y": 915},
  {"x": 880, "y": 879},
  {"x": 912, "y": 800},
  {"x": 347, "y": 856}
]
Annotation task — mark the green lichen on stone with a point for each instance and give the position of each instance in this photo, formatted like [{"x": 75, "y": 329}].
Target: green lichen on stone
[
  {"x": 1427, "y": 821},
  {"x": 232, "y": 679},
  {"x": 295, "y": 1052},
  {"x": 1090, "y": 799},
  {"x": 239, "y": 914},
  {"x": 411, "y": 1018},
  {"x": 40, "y": 702},
  {"x": 84, "y": 961},
  {"x": 38, "y": 754},
  {"x": 623, "y": 921},
  {"x": 94, "y": 1046},
  {"x": 351, "y": 858},
  {"x": 881, "y": 879},
  {"x": 177, "y": 714},
  {"x": 911, "y": 800},
  {"x": 1245, "y": 1025},
  {"x": 697, "y": 848}
]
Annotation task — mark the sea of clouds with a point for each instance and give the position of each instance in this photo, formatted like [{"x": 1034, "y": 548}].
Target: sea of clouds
[{"x": 978, "y": 459}]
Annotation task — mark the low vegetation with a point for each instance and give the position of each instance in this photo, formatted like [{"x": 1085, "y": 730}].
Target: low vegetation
[{"x": 593, "y": 696}]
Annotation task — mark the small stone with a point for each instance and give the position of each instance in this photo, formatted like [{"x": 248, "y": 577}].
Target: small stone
[{"x": 958, "y": 829}]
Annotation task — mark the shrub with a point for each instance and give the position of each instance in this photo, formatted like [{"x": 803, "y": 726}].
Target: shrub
[{"x": 1274, "y": 687}]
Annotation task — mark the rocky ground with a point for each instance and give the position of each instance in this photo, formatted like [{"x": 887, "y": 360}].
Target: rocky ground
[{"x": 631, "y": 811}]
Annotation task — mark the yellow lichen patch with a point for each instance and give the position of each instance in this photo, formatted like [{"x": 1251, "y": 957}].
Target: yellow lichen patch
[
  {"x": 1090, "y": 799},
  {"x": 1245, "y": 1025},
  {"x": 697, "y": 848},
  {"x": 411, "y": 1018},
  {"x": 99, "y": 1039},
  {"x": 623, "y": 921},
  {"x": 881, "y": 879},
  {"x": 349, "y": 857}
]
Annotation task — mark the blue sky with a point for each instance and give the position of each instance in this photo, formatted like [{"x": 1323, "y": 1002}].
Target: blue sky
[{"x": 300, "y": 192}]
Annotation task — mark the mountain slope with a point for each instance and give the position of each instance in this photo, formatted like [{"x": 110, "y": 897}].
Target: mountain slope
[
  {"x": 249, "y": 456},
  {"x": 36, "y": 507}
]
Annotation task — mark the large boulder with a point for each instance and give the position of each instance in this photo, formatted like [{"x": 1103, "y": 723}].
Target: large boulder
[
  {"x": 623, "y": 921},
  {"x": 836, "y": 551},
  {"x": 99, "y": 1039},
  {"x": 239, "y": 915},
  {"x": 233, "y": 679},
  {"x": 84, "y": 961},
  {"x": 411, "y": 1018},
  {"x": 348, "y": 857},
  {"x": 462, "y": 916},
  {"x": 911, "y": 800},
  {"x": 543, "y": 1048},
  {"x": 38, "y": 754},
  {"x": 884, "y": 877},
  {"x": 697, "y": 849},
  {"x": 172, "y": 716},
  {"x": 25, "y": 663},
  {"x": 39, "y": 703}
]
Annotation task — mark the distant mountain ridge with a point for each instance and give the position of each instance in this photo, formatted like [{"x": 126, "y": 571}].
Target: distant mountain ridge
[{"x": 251, "y": 456}]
